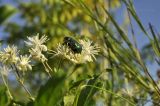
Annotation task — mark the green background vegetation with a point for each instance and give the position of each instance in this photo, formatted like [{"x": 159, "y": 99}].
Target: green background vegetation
[{"x": 119, "y": 75}]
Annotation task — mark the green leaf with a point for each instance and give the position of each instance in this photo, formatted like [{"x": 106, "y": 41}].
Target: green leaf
[
  {"x": 87, "y": 93},
  {"x": 3, "y": 96},
  {"x": 155, "y": 42},
  {"x": 75, "y": 84},
  {"x": 6, "y": 11},
  {"x": 51, "y": 93},
  {"x": 78, "y": 82}
]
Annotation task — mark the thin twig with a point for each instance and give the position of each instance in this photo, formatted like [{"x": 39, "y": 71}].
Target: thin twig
[
  {"x": 130, "y": 102},
  {"x": 132, "y": 30},
  {"x": 5, "y": 83},
  {"x": 60, "y": 62},
  {"x": 46, "y": 69},
  {"x": 21, "y": 82},
  {"x": 150, "y": 77}
]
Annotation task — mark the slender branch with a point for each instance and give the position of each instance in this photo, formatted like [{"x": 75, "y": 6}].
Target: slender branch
[
  {"x": 150, "y": 77},
  {"x": 46, "y": 69},
  {"x": 5, "y": 83},
  {"x": 132, "y": 30},
  {"x": 21, "y": 82},
  {"x": 60, "y": 62},
  {"x": 130, "y": 102},
  {"x": 50, "y": 69},
  {"x": 112, "y": 77}
]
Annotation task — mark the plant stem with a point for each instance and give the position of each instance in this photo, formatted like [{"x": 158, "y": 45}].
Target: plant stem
[
  {"x": 5, "y": 83},
  {"x": 132, "y": 30},
  {"x": 130, "y": 102},
  {"x": 60, "y": 62},
  {"x": 21, "y": 82},
  {"x": 151, "y": 79},
  {"x": 46, "y": 69},
  {"x": 112, "y": 77}
]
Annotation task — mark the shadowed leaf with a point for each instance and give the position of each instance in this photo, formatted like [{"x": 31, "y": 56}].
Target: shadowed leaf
[
  {"x": 3, "y": 97},
  {"x": 51, "y": 93},
  {"x": 86, "y": 93},
  {"x": 6, "y": 11}
]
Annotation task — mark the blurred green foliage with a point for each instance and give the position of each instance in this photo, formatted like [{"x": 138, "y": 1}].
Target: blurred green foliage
[
  {"x": 3, "y": 97},
  {"x": 6, "y": 11},
  {"x": 119, "y": 68}
]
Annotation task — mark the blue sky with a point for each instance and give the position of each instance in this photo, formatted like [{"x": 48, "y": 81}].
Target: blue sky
[{"x": 148, "y": 12}]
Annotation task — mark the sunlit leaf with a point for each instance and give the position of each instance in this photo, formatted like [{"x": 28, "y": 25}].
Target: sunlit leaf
[{"x": 68, "y": 100}]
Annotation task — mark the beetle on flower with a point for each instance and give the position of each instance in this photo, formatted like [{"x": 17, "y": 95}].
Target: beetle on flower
[{"x": 86, "y": 52}]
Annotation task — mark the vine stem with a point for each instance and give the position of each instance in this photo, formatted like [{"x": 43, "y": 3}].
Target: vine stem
[
  {"x": 5, "y": 83},
  {"x": 21, "y": 82},
  {"x": 29, "y": 94},
  {"x": 60, "y": 62},
  {"x": 130, "y": 102},
  {"x": 47, "y": 69}
]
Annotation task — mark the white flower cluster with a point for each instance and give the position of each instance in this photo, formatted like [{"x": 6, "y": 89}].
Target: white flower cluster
[
  {"x": 10, "y": 56},
  {"x": 88, "y": 52},
  {"x": 23, "y": 63},
  {"x": 37, "y": 46}
]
